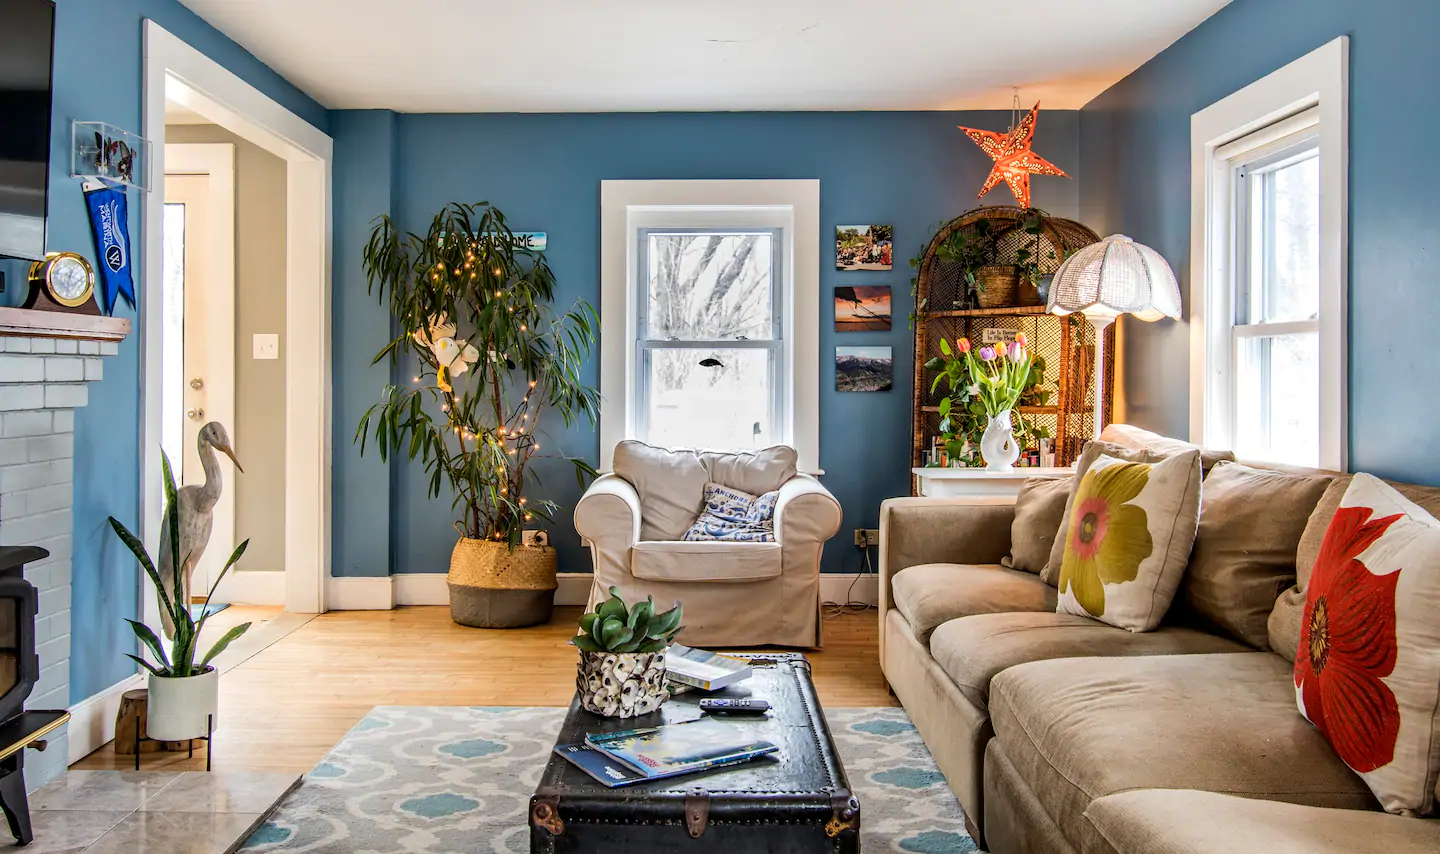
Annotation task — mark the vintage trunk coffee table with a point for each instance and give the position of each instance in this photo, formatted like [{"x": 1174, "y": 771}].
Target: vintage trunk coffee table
[{"x": 797, "y": 803}]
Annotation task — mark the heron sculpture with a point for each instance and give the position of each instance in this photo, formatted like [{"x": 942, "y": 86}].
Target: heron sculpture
[{"x": 195, "y": 514}]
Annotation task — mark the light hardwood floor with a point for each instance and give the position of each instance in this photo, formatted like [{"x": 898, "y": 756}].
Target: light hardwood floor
[{"x": 285, "y": 706}]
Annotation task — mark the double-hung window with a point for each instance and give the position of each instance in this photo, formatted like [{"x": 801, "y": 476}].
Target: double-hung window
[{"x": 711, "y": 363}]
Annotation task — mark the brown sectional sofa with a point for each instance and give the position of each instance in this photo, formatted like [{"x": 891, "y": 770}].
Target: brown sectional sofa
[{"x": 1062, "y": 734}]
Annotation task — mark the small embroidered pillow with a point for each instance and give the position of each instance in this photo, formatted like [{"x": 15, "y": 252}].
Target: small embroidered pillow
[
  {"x": 1367, "y": 672},
  {"x": 735, "y": 516}
]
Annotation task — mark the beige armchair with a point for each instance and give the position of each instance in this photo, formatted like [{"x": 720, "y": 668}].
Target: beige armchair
[{"x": 734, "y": 593}]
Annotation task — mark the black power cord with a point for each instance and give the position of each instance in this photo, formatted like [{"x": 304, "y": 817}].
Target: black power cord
[{"x": 832, "y": 610}]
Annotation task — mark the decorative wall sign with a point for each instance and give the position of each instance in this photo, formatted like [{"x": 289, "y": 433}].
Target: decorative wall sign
[
  {"x": 1014, "y": 161},
  {"x": 535, "y": 241},
  {"x": 998, "y": 336},
  {"x": 863, "y": 247},
  {"x": 864, "y": 369},
  {"x": 862, "y": 309}
]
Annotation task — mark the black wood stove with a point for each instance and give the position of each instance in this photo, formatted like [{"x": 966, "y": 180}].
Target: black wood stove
[{"x": 19, "y": 668}]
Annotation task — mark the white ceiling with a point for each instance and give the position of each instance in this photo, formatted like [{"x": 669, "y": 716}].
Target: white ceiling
[{"x": 640, "y": 55}]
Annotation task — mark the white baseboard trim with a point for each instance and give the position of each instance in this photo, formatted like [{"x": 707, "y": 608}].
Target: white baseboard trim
[
  {"x": 92, "y": 720},
  {"x": 429, "y": 588},
  {"x": 252, "y": 587}
]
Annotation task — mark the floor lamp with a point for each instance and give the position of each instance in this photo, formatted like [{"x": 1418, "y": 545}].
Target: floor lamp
[{"x": 1107, "y": 279}]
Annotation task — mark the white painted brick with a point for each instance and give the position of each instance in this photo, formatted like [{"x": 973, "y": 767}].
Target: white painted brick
[
  {"x": 46, "y": 701},
  {"x": 94, "y": 370},
  {"x": 33, "y": 475},
  {"x": 33, "y": 423},
  {"x": 60, "y": 622},
  {"x": 65, "y": 421},
  {"x": 50, "y": 576},
  {"x": 64, "y": 369},
  {"x": 15, "y": 345},
  {"x": 14, "y": 451},
  {"x": 21, "y": 369},
  {"x": 66, "y": 396},
  {"x": 109, "y": 348},
  {"x": 42, "y": 345},
  {"x": 55, "y": 600},
  {"x": 67, "y": 345},
  {"x": 47, "y": 498},
  {"x": 45, "y": 525},
  {"x": 13, "y": 507},
  {"x": 55, "y": 676},
  {"x": 58, "y": 547},
  {"x": 14, "y": 397},
  {"x": 54, "y": 651},
  {"x": 89, "y": 348},
  {"x": 41, "y": 448}
]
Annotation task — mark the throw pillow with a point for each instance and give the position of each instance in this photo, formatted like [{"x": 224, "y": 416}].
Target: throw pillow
[
  {"x": 1039, "y": 510},
  {"x": 1138, "y": 439},
  {"x": 1367, "y": 670},
  {"x": 755, "y": 472},
  {"x": 1129, "y": 539},
  {"x": 671, "y": 485},
  {"x": 1088, "y": 455},
  {"x": 735, "y": 516},
  {"x": 1244, "y": 557}
]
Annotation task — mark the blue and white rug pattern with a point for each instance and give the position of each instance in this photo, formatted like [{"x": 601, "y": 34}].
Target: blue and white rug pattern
[{"x": 432, "y": 780}]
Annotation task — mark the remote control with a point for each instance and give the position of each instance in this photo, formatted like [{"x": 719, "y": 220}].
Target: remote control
[{"x": 735, "y": 707}]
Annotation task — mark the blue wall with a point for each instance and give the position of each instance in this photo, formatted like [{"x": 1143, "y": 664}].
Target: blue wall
[
  {"x": 98, "y": 77},
  {"x": 1135, "y": 159},
  {"x": 913, "y": 170}
]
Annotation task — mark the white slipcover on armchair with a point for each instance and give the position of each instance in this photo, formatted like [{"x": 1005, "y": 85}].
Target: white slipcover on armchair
[{"x": 734, "y": 593}]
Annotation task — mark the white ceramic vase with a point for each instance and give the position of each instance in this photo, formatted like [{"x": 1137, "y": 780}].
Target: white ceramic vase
[
  {"x": 621, "y": 684},
  {"x": 997, "y": 445},
  {"x": 178, "y": 708}
]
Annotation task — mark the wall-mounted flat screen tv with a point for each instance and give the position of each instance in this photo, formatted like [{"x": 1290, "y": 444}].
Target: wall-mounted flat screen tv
[{"x": 27, "y": 39}]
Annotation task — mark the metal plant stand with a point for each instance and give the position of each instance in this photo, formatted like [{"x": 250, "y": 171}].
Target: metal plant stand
[{"x": 208, "y": 739}]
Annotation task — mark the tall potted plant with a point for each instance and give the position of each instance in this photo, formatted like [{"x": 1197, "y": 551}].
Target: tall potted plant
[
  {"x": 183, "y": 693},
  {"x": 473, "y": 307}
]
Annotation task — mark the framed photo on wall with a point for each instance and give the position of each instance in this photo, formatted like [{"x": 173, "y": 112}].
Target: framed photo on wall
[
  {"x": 864, "y": 308},
  {"x": 864, "y": 369},
  {"x": 864, "y": 247}
]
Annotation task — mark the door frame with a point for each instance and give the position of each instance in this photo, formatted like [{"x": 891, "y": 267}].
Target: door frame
[
  {"x": 176, "y": 71},
  {"x": 216, "y": 163}
]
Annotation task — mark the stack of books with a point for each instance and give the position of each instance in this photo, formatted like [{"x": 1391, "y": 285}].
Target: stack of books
[
  {"x": 687, "y": 668},
  {"x": 640, "y": 755}
]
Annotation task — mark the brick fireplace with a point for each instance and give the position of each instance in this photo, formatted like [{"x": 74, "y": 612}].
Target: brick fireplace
[{"x": 46, "y": 361}]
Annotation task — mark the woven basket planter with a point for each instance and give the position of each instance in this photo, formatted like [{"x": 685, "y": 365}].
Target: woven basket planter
[
  {"x": 495, "y": 587},
  {"x": 997, "y": 286}
]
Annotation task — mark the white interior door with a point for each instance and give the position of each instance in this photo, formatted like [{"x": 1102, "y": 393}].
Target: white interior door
[{"x": 198, "y": 363}]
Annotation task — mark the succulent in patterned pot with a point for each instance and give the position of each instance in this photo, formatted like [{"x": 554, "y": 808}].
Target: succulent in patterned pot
[{"x": 622, "y": 656}]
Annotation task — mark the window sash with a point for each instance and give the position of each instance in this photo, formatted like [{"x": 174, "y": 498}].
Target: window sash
[
  {"x": 642, "y": 281},
  {"x": 776, "y": 355},
  {"x": 1253, "y": 171}
]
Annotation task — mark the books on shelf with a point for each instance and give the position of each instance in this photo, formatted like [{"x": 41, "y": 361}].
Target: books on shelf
[
  {"x": 634, "y": 756},
  {"x": 708, "y": 671}
]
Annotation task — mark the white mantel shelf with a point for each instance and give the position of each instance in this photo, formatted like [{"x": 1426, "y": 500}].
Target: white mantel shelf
[
  {"x": 965, "y": 483},
  {"x": 34, "y": 323}
]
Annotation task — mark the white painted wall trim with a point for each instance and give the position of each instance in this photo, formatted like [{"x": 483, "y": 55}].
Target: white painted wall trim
[
  {"x": 92, "y": 720},
  {"x": 628, "y": 205},
  {"x": 176, "y": 71},
  {"x": 251, "y": 587},
  {"x": 1320, "y": 79},
  {"x": 361, "y": 594}
]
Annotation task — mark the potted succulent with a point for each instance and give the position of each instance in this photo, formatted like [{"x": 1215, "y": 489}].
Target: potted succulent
[
  {"x": 472, "y": 307},
  {"x": 183, "y": 691},
  {"x": 622, "y": 656}
]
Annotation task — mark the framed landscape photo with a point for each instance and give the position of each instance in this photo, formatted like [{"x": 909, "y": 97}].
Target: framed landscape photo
[
  {"x": 862, "y": 309},
  {"x": 864, "y": 369},
  {"x": 864, "y": 247}
]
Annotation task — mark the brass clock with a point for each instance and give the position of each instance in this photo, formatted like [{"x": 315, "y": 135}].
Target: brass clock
[{"x": 63, "y": 281}]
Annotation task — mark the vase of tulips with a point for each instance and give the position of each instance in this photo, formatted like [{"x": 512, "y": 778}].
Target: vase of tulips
[{"x": 993, "y": 377}]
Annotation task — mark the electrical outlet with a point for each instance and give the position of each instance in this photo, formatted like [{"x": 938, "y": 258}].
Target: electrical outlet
[{"x": 866, "y": 537}]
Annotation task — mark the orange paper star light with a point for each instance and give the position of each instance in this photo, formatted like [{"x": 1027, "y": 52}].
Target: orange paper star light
[{"x": 1014, "y": 161}]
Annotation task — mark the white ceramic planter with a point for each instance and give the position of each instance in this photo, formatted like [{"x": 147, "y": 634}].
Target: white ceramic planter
[
  {"x": 178, "y": 708},
  {"x": 997, "y": 444}
]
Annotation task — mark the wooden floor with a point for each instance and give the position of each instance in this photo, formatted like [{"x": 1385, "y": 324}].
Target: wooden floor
[{"x": 284, "y": 707}]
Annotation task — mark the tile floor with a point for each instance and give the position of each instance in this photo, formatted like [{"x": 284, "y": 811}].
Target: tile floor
[{"x": 192, "y": 812}]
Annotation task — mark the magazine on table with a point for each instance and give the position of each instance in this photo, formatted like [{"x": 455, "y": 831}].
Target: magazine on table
[
  {"x": 683, "y": 748},
  {"x": 605, "y": 770},
  {"x": 708, "y": 671}
]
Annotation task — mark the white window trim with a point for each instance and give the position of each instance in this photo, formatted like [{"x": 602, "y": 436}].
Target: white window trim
[
  {"x": 628, "y": 206},
  {"x": 1275, "y": 105}
]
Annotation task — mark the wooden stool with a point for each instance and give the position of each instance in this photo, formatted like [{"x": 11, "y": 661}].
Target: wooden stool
[{"x": 133, "y": 704}]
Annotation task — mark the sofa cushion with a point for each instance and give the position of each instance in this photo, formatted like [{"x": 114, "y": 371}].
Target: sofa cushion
[
  {"x": 935, "y": 593},
  {"x": 1284, "y": 623},
  {"x": 714, "y": 560},
  {"x": 1131, "y": 529},
  {"x": 972, "y": 650},
  {"x": 671, "y": 486},
  {"x": 1088, "y": 455},
  {"x": 755, "y": 472},
  {"x": 1185, "y": 821},
  {"x": 1081, "y": 729},
  {"x": 1039, "y": 510},
  {"x": 1243, "y": 559}
]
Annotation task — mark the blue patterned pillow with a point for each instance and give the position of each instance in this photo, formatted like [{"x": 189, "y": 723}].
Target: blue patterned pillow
[{"x": 735, "y": 516}]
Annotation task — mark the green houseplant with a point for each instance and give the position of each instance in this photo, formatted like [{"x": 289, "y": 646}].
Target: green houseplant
[
  {"x": 473, "y": 309},
  {"x": 622, "y": 656},
  {"x": 986, "y": 386},
  {"x": 183, "y": 692}
]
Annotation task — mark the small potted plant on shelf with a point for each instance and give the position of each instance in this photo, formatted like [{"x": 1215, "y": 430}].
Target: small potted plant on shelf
[
  {"x": 992, "y": 379},
  {"x": 183, "y": 692},
  {"x": 622, "y": 656}
]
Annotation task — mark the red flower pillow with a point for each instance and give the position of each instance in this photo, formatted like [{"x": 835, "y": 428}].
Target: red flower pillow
[{"x": 1367, "y": 672}]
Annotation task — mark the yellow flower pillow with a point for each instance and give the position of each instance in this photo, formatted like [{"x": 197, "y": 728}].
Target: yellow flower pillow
[{"x": 1129, "y": 539}]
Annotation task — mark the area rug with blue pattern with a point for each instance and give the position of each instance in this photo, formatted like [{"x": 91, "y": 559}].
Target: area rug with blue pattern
[{"x": 433, "y": 780}]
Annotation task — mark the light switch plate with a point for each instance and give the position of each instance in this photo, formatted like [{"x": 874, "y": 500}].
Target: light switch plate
[{"x": 266, "y": 345}]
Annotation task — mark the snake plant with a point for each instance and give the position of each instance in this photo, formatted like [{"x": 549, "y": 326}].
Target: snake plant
[{"x": 615, "y": 627}]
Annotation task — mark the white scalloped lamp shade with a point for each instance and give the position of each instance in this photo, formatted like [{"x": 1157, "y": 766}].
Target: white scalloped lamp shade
[{"x": 1113, "y": 277}]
